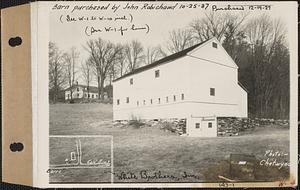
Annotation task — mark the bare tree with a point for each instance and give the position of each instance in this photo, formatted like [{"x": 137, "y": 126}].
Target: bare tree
[
  {"x": 120, "y": 65},
  {"x": 134, "y": 55},
  {"x": 86, "y": 69},
  {"x": 215, "y": 25},
  {"x": 70, "y": 59},
  {"x": 152, "y": 54},
  {"x": 102, "y": 56},
  {"x": 179, "y": 39},
  {"x": 267, "y": 39},
  {"x": 162, "y": 51},
  {"x": 57, "y": 77}
]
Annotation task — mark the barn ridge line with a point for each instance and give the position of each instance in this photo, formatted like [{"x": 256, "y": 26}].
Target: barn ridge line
[{"x": 166, "y": 59}]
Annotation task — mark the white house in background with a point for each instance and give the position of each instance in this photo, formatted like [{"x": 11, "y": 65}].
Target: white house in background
[
  {"x": 199, "y": 84},
  {"x": 81, "y": 92}
]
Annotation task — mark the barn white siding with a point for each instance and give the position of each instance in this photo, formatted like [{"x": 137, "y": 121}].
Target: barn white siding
[
  {"x": 243, "y": 103},
  {"x": 172, "y": 81},
  {"x": 208, "y": 71},
  {"x": 218, "y": 55}
]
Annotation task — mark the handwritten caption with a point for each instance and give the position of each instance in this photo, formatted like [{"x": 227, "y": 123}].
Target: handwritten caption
[
  {"x": 90, "y": 30},
  {"x": 275, "y": 159},
  {"x": 153, "y": 175},
  {"x": 161, "y": 6},
  {"x": 98, "y": 21}
]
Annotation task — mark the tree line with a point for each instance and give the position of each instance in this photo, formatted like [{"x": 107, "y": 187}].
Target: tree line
[{"x": 257, "y": 44}]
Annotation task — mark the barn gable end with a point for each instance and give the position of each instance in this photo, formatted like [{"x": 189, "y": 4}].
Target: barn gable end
[{"x": 213, "y": 51}]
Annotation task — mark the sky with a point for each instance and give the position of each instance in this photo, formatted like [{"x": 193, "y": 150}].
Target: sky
[{"x": 67, "y": 34}]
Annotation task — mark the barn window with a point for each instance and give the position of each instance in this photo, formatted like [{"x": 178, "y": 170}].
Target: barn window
[
  {"x": 68, "y": 96},
  {"x": 159, "y": 100},
  {"x": 212, "y": 91},
  {"x": 209, "y": 124},
  {"x": 92, "y": 95},
  {"x": 127, "y": 100},
  {"x": 156, "y": 73},
  {"x": 118, "y": 101},
  {"x": 131, "y": 81},
  {"x": 144, "y": 102},
  {"x": 77, "y": 95},
  {"x": 182, "y": 96},
  {"x": 214, "y": 45},
  {"x": 197, "y": 125},
  {"x": 151, "y": 101},
  {"x": 88, "y": 95},
  {"x": 167, "y": 99},
  {"x": 174, "y": 98},
  {"x": 77, "y": 89}
]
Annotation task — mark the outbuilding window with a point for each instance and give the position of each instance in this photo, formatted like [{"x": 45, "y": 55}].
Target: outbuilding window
[
  {"x": 209, "y": 124},
  {"x": 167, "y": 99},
  {"x": 182, "y": 96},
  {"x": 197, "y": 125},
  {"x": 127, "y": 100},
  {"x": 118, "y": 101},
  {"x": 214, "y": 45},
  {"x": 174, "y": 98},
  {"x": 151, "y": 101},
  {"x": 144, "y": 102},
  {"x": 158, "y": 100},
  {"x": 156, "y": 73},
  {"x": 137, "y": 103},
  {"x": 131, "y": 81},
  {"x": 212, "y": 91}
]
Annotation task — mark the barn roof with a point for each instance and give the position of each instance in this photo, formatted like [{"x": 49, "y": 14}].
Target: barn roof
[
  {"x": 162, "y": 61},
  {"x": 243, "y": 87}
]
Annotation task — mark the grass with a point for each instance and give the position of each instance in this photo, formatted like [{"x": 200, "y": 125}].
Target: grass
[{"x": 155, "y": 150}]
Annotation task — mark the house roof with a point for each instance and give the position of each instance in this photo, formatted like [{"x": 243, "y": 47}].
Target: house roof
[
  {"x": 162, "y": 61},
  {"x": 92, "y": 89}
]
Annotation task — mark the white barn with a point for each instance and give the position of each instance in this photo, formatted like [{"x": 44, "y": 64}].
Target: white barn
[{"x": 199, "y": 84}]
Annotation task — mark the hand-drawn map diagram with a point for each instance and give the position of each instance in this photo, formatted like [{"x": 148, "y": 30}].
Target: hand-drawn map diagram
[{"x": 81, "y": 158}]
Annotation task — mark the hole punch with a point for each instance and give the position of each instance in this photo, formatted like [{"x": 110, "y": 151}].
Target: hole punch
[
  {"x": 13, "y": 42},
  {"x": 16, "y": 147}
]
